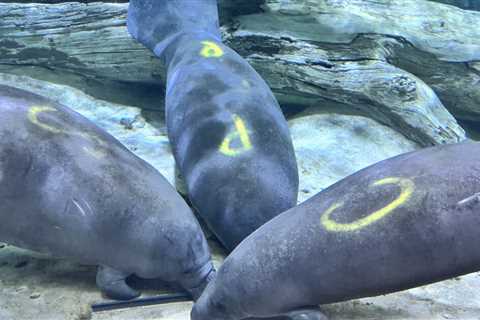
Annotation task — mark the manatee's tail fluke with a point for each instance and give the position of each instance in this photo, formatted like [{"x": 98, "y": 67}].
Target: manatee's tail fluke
[
  {"x": 141, "y": 302},
  {"x": 156, "y": 24}
]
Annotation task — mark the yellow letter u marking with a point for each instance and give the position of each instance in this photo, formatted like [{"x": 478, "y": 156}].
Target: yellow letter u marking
[
  {"x": 33, "y": 113},
  {"x": 33, "y": 117}
]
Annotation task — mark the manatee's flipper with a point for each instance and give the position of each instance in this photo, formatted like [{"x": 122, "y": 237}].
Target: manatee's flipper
[
  {"x": 312, "y": 313},
  {"x": 113, "y": 285}
]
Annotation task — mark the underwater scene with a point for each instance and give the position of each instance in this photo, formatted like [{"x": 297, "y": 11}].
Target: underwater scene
[{"x": 239, "y": 159}]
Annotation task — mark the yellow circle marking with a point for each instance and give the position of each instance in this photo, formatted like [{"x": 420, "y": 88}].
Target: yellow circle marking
[
  {"x": 33, "y": 117},
  {"x": 406, "y": 190},
  {"x": 33, "y": 113},
  {"x": 211, "y": 50},
  {"x": 241, "y": 133}
]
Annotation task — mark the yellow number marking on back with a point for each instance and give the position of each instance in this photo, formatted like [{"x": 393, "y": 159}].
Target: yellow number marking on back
[
  {"x": 241, "y": 133},
  {"x": 211, "y": 50},
  {"x": 406, "y": 189}
]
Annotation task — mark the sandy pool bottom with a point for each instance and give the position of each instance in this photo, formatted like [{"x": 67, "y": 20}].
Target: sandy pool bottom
[{"x": 34, "y": 286}]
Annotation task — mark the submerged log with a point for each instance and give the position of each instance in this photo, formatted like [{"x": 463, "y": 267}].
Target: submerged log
[
  {"x": 438, "y": 43},
  {"x": 381, "y": 59},
  {"x": 464, "y": 4}
]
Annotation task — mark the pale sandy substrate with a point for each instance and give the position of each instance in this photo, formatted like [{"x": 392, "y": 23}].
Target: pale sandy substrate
[{"x": 37, "y": 287}]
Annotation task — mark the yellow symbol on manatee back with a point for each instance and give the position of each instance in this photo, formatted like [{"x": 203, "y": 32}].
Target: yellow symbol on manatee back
[
  {"x": 33, "y": 117},
  {"x": 211, "y": 50},
  {"x": 406, "y": 189},
  {"x": 239, "y": 133},
  {"x": 33, "y": 113}
]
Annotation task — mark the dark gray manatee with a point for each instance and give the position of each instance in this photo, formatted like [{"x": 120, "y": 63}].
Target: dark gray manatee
[
  {"x": 404, "y": 222},
  {"x": 229, "y": 137},
  {"x": 70, "y": 189}
]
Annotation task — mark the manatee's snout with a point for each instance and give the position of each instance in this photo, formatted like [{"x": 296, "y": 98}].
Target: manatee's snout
[
  {"x": 215, "y": 304},
  {"x": 199, "y": 311},
  {"x": 203, "y": 309},
  {"x": 196, "y": 282}
]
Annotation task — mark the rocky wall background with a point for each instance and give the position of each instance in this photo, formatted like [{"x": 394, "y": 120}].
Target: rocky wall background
[{"x": 359, "y": 80}]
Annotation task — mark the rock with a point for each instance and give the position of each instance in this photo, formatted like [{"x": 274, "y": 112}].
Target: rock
[
  {"x": 394, "y": 97},
  {"x": 459, "y": 299},
  {"x": 227, "y": 8},
  {"x": 35, "y": 295},
  {"x": 324, "y": 54},
  {"x": 431, "y": 27},
  {"x": 305, "y": 50},
  {"x": 330, "y": 147}
]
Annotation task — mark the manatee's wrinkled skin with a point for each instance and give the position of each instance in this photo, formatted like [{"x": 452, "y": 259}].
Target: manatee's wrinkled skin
[
  {"x": 70, "y": 189},
  {"x": 229, "y": 137},
  {"x": 404, "y": 222}
]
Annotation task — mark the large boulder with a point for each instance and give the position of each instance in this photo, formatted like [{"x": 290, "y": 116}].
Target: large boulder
[{"x": 332, "y": 146}]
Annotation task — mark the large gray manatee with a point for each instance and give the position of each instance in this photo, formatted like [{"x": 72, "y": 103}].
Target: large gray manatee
[
  {"x": 404, "y": 222},
  {"x": 69, "y": 189},
  {"x": 229, "y": 137}
]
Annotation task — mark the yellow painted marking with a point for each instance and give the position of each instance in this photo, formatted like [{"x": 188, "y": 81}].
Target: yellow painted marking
[
  {"x": 406, "y": 189},
  {"x": 33, "y": 117},
  {"x": 211, "y": 50},
  {"x": 33, "y": 113},
  {"x": 241, "y": 133}
]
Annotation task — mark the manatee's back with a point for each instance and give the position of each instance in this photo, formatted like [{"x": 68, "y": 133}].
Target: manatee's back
[
  {"x": 47, "y": 166},
  {"x": 229, "y": 137},
  {"x": 70, "y": 189}
]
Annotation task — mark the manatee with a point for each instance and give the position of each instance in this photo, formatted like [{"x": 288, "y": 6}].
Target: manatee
[
  {"x": 229, "y": 137},
  {"x": 69, "y": 189},
  {"x": 404, "y": 222}
]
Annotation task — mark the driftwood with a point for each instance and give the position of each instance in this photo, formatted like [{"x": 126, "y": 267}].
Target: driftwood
[
  {"x": 381, "y": 59},
  {"x": 464, "y": 4}
]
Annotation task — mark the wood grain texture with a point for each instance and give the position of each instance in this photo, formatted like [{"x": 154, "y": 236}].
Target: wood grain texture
[{"x": 403, "y": 62}]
